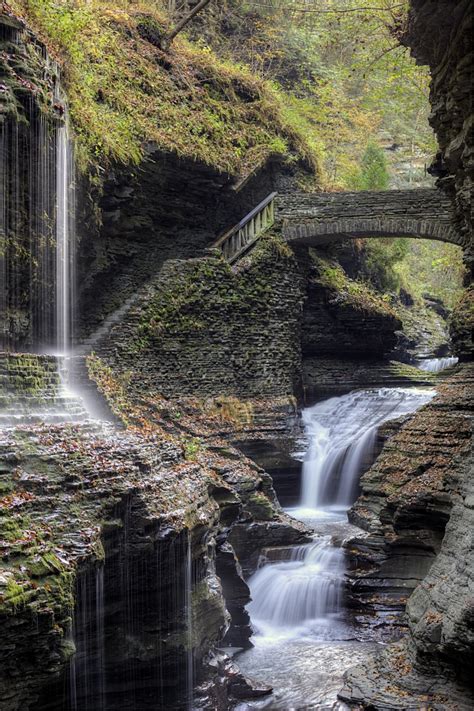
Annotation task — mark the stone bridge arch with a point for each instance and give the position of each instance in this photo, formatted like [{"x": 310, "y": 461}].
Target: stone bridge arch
[{"x": 321, "y": 218}]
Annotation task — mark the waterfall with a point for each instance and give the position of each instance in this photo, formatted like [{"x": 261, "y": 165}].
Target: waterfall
[
  {"x": 100, "y": 638},
  {"x": 297, "y": 594},
  {"x": 292, "y": 593},
  {"x": 65, "y": 233},
  {"x": 342, "y": 433},
  {"x": 435, "y": 365},
  {"x": 87, "y": 666},
  {"x": 27, "y": 219},
  {"x": 188, "y": 582},
  {"x": 37, "y": 228}
]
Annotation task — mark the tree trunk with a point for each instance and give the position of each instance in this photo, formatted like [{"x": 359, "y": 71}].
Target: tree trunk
[{"x": 182, "y": 23}]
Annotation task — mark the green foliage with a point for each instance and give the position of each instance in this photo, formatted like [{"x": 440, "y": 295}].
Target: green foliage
[
  {"x": 123, "y": 91},
  {"x": 192, "y": 448},
  {"x": 373, "y": 173},
  {"x": 432, "y": 267},
  {"x": 380, "y": 259},
  {"x": 355, "y": 293},
  {"x": 346, "y": 77}
]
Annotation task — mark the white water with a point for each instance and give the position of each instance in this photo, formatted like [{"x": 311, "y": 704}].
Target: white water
[
  {"x": 435, "y": 365},
  {"x": 65, "y": 233},
  {"x": 287, "y": 596},
  {"x": 342, "y": 433},
  {"x": 188, "y": 581},
  {"x": 302, "y": 631}
]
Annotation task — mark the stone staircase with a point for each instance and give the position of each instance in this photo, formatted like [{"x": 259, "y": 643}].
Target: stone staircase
[{"x": 33, "y": 390}]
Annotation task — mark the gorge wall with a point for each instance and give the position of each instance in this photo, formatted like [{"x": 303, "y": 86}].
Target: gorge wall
[
  {"x": 440, "y": 35},
  {"x": 110, "y": 544},
  {"x": 416, "y": 505},
  {"x": 31, "y": 113}
]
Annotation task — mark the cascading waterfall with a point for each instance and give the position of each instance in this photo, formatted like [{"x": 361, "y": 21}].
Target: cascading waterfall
[
  {"x": 436, "y": 365},
  {"x": 297, "y": 607},
  {"x": 341, "y": 433},
  {"x": 290, "y": 594}
]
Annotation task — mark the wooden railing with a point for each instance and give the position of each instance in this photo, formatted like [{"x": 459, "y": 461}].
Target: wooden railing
[{"x": 242, "y": 236}]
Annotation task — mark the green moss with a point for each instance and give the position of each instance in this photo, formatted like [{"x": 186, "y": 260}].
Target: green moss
[
  {"x": 11, "y": 528},
  {"x": 45, "y": 564},
  {"x": 350, "y": 292},
  {"x": 192, "y": 447},
  {"x": 189, "y": 303},
  {"x": 111, "y": 385},
  {"x": 124, "y": 91},
  {"x": 14, "y": 595},
  {"x": 260, "y": 506}
]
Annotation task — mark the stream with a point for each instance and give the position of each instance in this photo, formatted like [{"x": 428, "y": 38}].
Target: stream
[{"x": 304, "y": 637}]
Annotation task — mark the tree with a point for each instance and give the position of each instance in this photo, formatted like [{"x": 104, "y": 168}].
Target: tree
[
  {"x": 373, "y": 173},
  {"x": 182, "y": 23}
]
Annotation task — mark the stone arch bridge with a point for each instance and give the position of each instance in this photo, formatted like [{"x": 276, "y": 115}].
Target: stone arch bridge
[{"x": 322, "y": 218}]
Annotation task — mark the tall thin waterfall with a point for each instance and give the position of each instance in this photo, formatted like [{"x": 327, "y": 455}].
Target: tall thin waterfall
[
  {"x": 37, "y": 231},
  {"x": 65, "y": 234},
  {"x": 189, "y": 622},
  {"x": 342, "y": 433}
]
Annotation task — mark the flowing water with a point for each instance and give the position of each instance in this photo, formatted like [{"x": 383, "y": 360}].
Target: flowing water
[
  {"x": 435, "y": 365},
  {"x": 304, "y": 637},
  {"x": 65, "y": 237},
  {"x": 341, "y": 433}
]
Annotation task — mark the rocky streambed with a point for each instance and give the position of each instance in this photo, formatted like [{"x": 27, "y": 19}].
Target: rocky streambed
[{"x": 126, "y": 553}]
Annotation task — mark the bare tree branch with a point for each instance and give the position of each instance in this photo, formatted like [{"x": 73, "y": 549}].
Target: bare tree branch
[{"x": 182, "y": 23}]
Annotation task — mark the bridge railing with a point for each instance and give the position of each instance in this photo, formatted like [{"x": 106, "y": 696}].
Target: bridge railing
[{"x": 236, "y": 241}]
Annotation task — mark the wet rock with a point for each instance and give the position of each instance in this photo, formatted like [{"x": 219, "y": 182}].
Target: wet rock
[
  {"x": 416, "y": 507},
  {"x": 324, "y": 377}
]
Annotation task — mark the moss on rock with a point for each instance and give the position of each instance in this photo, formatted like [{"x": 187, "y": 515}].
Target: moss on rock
[{"x": 124, "y": 91}]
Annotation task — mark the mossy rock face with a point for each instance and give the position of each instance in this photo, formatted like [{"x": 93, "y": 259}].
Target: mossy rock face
[
  {"x": 150, "y": 30},
  {"x": 260, "y": 507},
  {"x": 462, "y": 326},
  {"x": 89, "y": 508},
  {"x": 204, "y": 329},
  {"x": 125, "y": 93}
]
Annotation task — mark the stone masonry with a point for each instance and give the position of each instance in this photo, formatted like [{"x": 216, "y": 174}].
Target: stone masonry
[{"x": 320, "y": 218}]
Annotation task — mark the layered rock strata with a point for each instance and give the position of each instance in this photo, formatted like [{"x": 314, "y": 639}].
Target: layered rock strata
[
  {"x": 440, "y": 34},
  {"x": 416, "y": 506},
  {"x": 202, "y": 329},
  {"x": 116, "y": 563}
]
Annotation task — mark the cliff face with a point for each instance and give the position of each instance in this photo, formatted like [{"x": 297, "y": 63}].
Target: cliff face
[
  {"x": 416, "y": 505},
  {"x": 440, "y": 34},
  {"x": 199, "y": 329},
  {"x": 112, "y": 541},
  {"x": 30, "y": 115},
  {"x": 169, "y": 208}
]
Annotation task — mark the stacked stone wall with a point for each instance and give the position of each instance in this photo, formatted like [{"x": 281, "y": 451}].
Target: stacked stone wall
[{"x": 201, "y": 328}]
